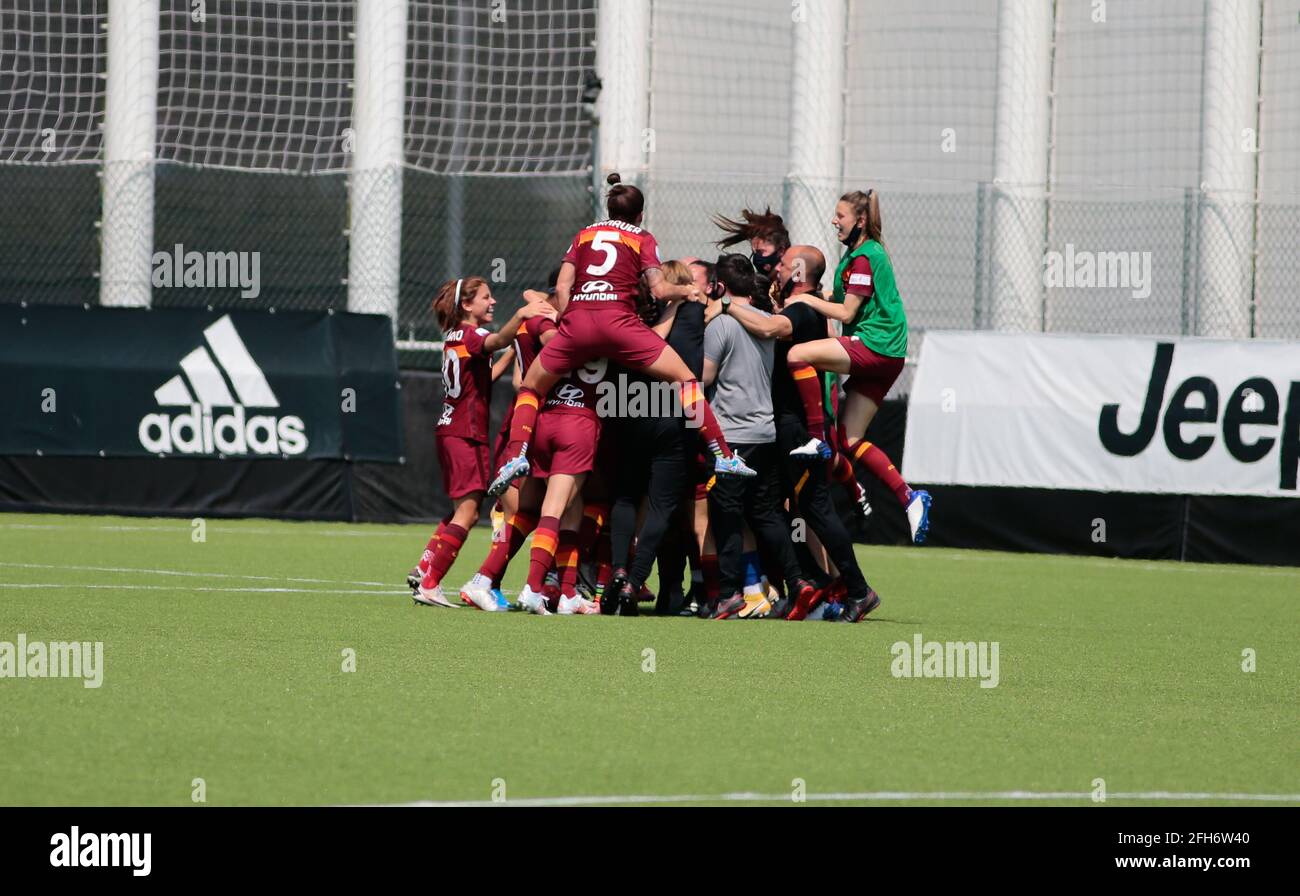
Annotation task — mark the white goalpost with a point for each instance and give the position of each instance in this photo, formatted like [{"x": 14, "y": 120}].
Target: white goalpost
[{"x": 130, "y": 122}]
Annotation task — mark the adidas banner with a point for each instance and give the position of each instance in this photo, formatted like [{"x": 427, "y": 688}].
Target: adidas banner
[
  {"x": 1183, "y": 416},
  {"x": 177, "y": 383}
]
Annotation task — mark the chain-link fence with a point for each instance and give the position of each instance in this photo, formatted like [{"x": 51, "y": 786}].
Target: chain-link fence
[
  {"x": 511, "y": 231},
  {"x": 252, "y": 160},
  {"x": 256, "y": 101}
]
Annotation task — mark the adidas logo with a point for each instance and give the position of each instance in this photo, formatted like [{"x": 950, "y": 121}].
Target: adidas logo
[{"x": 220, "y": 374}]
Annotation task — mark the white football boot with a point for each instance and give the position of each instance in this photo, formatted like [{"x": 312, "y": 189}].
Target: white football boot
[{"x": 533, "y": 602}]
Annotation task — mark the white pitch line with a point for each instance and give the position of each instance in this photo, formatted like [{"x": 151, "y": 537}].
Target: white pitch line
[
  {"x": 225, "y": 530},
  {"x": 188, "y": 574},
  {"x": 105, "y": 587},
  {"x": 872, "y": 796}
]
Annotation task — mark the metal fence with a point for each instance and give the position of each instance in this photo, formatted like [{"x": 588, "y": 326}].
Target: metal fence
[{"x": 255, "y": 107}]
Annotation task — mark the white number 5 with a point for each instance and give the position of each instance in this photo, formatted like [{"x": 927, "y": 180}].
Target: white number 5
[{"x": 604, "y": 241}]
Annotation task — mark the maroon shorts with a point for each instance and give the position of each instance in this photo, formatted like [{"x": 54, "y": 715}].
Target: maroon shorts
[
  {"x": 563, "y": 443},
  {"x": 614, "y": 334},
  {"x": 464, "y": 465},
  {"x": 870, "y": 374}
]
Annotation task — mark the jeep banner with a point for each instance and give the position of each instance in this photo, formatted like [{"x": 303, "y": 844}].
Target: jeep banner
[
  {"x": 1182, "y": 416},
  {"x": 177, "y": 383}
]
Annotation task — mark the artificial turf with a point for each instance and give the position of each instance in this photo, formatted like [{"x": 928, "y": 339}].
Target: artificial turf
[{"x": 232, "y": 672}]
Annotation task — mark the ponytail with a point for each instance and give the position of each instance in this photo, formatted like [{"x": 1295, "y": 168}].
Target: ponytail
[{"x": 866, "y": 205}]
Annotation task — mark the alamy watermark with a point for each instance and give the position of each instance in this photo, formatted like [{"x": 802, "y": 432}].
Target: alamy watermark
[
  {"x": 1086, "y": 269},
  {"x": 87, "y": 850},
  {"x": 208, "y": 270},
  {"x": 53, "y": 659},
  {"x": 946, "y": 659},
  {"x": 631, "y": 397}
]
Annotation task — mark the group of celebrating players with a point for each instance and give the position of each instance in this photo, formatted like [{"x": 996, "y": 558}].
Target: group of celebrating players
[{"x": 738, "y": 483}]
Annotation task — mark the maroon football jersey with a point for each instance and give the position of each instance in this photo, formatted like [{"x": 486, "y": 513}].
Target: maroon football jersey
[
  {"x": 466, "y": 384},
  {"x": 528, "y": 341},
  {"x": 609, "y": 258},
  {"x": 579, "y": 392}
]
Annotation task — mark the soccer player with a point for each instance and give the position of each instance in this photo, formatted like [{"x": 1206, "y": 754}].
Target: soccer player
[
  {"x": 563, "y": 454},
  {"x": 596, "y": 293},
  {"x": 866, "y": 302},
  {"x": 463, "y": 307},
  {"x": 520, "y": 517},
  {"x": 799, "y": 272}
]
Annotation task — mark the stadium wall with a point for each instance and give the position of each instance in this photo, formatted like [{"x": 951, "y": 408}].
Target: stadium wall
[{"x": 1207, "y": 529}]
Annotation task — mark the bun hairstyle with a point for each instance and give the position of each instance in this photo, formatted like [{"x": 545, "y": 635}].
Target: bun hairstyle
[
  {"x": 447, "y": 304},
  {"x": 624, "y": 202}
]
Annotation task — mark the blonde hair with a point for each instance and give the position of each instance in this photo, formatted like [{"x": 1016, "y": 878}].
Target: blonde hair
[
  {"x": 677, "y": 273},
  {"x": 866, "y": 204}
]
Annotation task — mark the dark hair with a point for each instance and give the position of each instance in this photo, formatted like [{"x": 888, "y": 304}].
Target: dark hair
[
  {"x": 736, "y": 272},
  {"x": 552, "y": 279},
  {"x": 624, "y": 202},
  {"x": 648, "y": 308},
  {"x": 449, "y": 310},
  {"x": 767, "y": 226},
  {"x": 707, "y": 265}
]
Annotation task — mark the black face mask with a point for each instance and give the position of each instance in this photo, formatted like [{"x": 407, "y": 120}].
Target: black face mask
[
  {"x": 765, "y": 264},
  {"x": 853, "y": 235}
]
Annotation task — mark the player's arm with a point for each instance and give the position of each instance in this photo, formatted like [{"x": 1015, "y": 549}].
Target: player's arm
[
  {"x": 564, "y": 285},
  {"x": 665, "y": 324},
  {"x": 776, "y": 326},
  {"x": 503, "y": 363},
  {"x": 661, "y": 289},
  {"x": 834, "y": 310},
  {"x": 506, "y": 335}
]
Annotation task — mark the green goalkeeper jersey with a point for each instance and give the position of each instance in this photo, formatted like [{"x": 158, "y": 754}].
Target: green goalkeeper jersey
[{"x": 880, "y": 323}]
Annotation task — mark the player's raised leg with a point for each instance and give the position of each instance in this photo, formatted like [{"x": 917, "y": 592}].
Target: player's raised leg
[
  {"x": 537, "y": 383},
  {"x": 699, "y": 415},
  {"x": 805, "y": 361},
  {"x": 858, "y": 412}
]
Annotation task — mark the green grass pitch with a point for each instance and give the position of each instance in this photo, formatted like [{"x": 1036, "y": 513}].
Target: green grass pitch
[{"x": 224, "y": 661}]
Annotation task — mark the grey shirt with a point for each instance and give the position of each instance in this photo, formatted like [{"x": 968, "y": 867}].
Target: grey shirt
[{"x": 741, "y": 395}]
